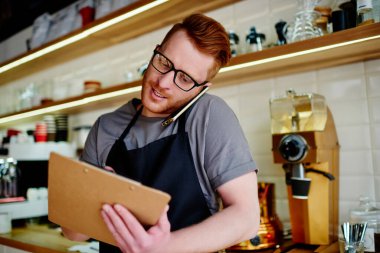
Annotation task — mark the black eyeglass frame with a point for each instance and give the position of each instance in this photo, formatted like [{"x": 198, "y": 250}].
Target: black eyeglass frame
[{"x": 196, "y": 84}]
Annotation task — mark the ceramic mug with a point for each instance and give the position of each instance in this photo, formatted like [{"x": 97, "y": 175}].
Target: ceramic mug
[{"x": 5, "y": 223}]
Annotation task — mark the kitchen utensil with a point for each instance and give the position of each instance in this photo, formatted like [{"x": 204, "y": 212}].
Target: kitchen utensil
[{"x": 353, "y": 237}]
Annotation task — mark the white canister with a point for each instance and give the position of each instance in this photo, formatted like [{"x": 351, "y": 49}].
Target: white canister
[
  {"x": 81, "y": 133},
  {"x": 5, "y": 223}
]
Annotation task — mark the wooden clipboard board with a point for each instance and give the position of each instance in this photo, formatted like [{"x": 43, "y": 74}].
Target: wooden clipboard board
[{"x": 77, "y": 190}]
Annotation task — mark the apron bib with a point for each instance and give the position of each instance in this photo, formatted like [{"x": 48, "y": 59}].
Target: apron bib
[{"x": 165, "y": 164}]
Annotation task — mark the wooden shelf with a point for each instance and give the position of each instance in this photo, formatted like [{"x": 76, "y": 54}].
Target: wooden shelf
[
  {"x": 357, "y": 44},
  {"x": 160, "y": 16},
  {"x": 88, "y": 104},
  {"x": 348, "y": 46}
]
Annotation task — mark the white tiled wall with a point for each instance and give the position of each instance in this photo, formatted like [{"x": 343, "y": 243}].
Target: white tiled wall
[{"x": 352, "y": 92}]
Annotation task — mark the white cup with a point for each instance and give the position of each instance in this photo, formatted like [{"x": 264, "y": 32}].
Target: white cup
[
  {"x": 42, "y": 193},
  {"x": 32, "y": 194},
  {"x": 5, "y": 223}
]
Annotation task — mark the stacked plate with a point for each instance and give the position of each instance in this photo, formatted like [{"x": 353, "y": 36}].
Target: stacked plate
[
  {"x": 61, "y": 124},
  {"x": 41, "y": 132},
  {"x": 51, "y": 128}
]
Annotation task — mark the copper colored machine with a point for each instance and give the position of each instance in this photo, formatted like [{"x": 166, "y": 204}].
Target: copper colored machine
[
  {"x": 270, "y": 230},
  {"x": 305, "y": 142}
]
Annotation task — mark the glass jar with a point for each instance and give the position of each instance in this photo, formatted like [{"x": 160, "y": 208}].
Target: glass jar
[
  {"x": 367, "y": 212},
  {"x": 10, "y": 175},
  {"x": 364, "y": 10}
]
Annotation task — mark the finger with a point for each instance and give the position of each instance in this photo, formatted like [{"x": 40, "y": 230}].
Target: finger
[
  {"x": 162, "y": 225},
  {"x": 110, "y": 169},
  {"x": 134, "y": 226},
  {"x": 119, "y": 240},
  {"x": 120, "y": 227}
]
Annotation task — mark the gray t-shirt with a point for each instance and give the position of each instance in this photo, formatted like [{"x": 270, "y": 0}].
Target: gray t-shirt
[{"x": 219, "y": 148}]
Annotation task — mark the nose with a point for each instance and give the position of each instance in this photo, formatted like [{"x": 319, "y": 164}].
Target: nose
[{"x": 166, "y": 80}]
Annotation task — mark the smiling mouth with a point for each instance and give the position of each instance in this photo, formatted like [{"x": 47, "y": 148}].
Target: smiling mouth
[{"x": 155, "y": 92}]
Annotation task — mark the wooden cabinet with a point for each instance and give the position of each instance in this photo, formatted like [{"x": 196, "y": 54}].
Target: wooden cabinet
[{"x": 357, "y": 44}]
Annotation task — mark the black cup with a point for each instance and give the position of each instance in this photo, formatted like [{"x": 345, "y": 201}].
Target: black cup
[
  {"x": 349, "y": 9},
  {"x": 300, "y": 187},
  {"x": 338, "y": 19}
]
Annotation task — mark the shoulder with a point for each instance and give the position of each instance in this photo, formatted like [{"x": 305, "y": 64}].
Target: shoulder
[
  {"x": 211, "y": 101},
  {"x": 107, "y": 128},
  {"x": 211, "y": 109},
  {"x": 119, "y": 117}
]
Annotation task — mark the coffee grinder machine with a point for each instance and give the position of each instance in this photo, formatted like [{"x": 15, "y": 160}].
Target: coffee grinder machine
[{"x": 305, "y": 142}]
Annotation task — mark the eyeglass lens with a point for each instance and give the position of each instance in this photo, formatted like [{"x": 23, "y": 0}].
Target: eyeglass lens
[{"x": 164, "y": 65}]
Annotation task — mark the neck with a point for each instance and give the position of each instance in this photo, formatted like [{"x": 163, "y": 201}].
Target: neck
[{"x": 147, "y": 113}]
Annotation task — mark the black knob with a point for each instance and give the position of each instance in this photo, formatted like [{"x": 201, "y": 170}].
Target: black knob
[
  {"x": 255, "y": 240},
  {"x": 293, "y": 148}
]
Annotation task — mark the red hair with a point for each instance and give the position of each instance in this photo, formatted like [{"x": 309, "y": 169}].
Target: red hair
[{"x": 208, "y": 36}]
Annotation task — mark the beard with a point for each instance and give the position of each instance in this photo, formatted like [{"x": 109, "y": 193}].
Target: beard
[{"x": 165, "y": 106}]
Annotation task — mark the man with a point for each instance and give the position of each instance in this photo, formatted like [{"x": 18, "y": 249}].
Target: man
[{"x": 198, "y": 159}]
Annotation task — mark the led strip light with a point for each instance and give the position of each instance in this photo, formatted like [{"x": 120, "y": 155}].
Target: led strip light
[
  {"x": 67, "y": 105},
  {"x": 81, "y": 35},
  {"x": 291, "y": 55}
]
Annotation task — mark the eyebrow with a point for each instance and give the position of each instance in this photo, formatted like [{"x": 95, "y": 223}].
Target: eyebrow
[{"x": 192, "y": 78}]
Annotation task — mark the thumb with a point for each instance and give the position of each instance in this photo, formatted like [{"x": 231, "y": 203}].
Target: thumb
[
  {"x": 163, "y": 221},
  {"x": 162, "y": 225}
]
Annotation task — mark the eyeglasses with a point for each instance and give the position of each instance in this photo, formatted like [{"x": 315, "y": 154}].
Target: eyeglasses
[{"x": 163, "y": 65}]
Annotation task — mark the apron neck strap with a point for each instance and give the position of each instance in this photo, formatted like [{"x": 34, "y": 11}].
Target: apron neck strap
[{"x": 133, "y": 121}]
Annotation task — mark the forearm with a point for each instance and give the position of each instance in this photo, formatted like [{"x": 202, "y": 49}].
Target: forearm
[
  {"x": 221, "y": 230},
  {"x": 74, "y": 236},
  {"x": 238, "y": 221}
]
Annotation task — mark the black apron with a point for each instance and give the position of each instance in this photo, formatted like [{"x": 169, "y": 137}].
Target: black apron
[{"x": 165, "y": 164}]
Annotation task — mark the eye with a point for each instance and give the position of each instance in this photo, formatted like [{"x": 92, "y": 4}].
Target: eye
[
  {"x": 164, "y": 62},
  {"x": 183, "y": 78}
]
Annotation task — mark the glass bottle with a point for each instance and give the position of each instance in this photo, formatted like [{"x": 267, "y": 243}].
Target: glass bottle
[
  {"x": 254, "y": 40},
  {"x": 14, "y": 177},
  {"x": 367, "y": 212},
  {"x": 279, "y": 26},
  {"x": 2, "y": 178},
  {"x": 234, "y": 43}
]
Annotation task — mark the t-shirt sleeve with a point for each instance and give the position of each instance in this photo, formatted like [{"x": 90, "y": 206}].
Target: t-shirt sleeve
[
  {"x": 227, "y": 153},
  {"x": 90, "y": 154}
]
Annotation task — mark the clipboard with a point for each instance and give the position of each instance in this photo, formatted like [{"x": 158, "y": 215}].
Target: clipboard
[{"x": 77, "y": 191}]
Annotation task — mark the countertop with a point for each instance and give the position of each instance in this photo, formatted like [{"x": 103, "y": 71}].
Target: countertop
[
  {"x": 37, "y": 238},
  {"x": 290, "y": 247},
  {"x": 42, "y": 239}
]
